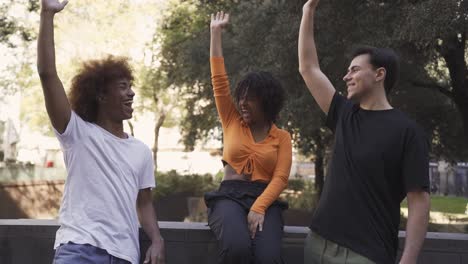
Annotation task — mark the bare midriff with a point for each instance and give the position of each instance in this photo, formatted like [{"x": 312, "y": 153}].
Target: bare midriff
[{"x": 231, "y": 174}]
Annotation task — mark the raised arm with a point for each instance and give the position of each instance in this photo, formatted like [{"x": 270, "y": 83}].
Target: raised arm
[
  {"x": 56, "y": 101},
  {"x": 319, "y": 85},
  {"x": 218, "y": 22},
  {"x": 226, "y": 109}
]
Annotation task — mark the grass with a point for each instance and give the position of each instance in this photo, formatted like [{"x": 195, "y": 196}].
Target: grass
[{"x": 446, "y": 204}]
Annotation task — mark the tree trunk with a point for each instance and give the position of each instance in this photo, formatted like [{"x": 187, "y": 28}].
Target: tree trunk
[
  {"x": 319, "y": 171},
  {"x": 462, "y": 105},
  {"x": 159, "y": 122},
  {"x": 453, "y": 52}
]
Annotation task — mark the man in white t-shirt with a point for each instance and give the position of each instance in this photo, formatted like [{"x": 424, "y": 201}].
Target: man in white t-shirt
[{"x": 110, "y": 174}]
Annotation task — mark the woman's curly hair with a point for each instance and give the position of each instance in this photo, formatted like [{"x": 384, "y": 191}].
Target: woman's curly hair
[
  {"x": 266, "y": 88},
  {"x": 92, "y": 81}
]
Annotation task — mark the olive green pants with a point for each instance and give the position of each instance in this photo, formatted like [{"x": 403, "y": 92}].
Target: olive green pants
[{"x": 318, "y": 250}]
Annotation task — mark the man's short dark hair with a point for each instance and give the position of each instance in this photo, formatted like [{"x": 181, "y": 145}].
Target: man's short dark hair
[
  {"x": 382, "y": 58},
  {"x": 266, "y": 88}
]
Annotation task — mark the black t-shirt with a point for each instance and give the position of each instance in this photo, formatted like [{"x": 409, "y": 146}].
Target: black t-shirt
[{"x": 379, "y": 156}]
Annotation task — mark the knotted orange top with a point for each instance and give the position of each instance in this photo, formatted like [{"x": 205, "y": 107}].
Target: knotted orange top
[{"x": 268, "y": 161}]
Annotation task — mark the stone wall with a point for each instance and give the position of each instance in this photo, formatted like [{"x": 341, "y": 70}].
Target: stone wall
[
  {"x": 38, "y": 199},
  {"x": 31, "y": 241}
]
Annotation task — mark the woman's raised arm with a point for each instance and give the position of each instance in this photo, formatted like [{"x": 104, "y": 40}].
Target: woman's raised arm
[
  {"x": 226, "y": 108},
  {"x": 218, "y": 22}
]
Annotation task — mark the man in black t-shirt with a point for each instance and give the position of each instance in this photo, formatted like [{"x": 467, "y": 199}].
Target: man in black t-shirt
[{"x": 380, "y": 157}]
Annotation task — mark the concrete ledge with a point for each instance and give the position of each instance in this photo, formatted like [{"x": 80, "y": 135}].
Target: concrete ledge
[{"x": 31, "y": 241}]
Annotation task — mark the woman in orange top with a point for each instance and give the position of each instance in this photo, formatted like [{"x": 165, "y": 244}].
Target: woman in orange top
[{"x": 244, "y": 213}]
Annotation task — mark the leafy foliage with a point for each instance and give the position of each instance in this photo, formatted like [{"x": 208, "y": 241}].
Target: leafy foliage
[
  {"x": 263, "y": 35},
  {"x": 171, "y": 183},
  {"x": 301, "y": 195},
  {"x": 10, "y": 26},
  {"x": 86, "y": 29}
]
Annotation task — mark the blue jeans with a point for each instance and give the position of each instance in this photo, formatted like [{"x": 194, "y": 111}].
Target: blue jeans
[{"x": 72, "y": 253}]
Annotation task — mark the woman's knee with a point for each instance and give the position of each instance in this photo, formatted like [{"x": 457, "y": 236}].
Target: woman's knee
[
  {"x": 227, "y": 220},
  {"x": 235, "y": 251},
  {"x": 237, "y": 247},
  {"x": 267, "y": 248},
  {"x": 264, "y": 255}
]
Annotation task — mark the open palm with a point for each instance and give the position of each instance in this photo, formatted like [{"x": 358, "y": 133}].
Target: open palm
[
  {"x": 219, "y": 20},
  {"x": 311, "y": 4},
  {"x": 53, "y": 5}
]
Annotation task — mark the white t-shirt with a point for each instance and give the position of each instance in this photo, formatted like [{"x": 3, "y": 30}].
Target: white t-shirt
[{"x": 105, "y": 174}]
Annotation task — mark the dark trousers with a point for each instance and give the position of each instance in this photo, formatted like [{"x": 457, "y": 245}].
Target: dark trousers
[{"x": 228, "y": 220}]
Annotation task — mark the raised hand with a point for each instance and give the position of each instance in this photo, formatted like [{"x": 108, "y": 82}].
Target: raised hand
[
  {"x": 219, "y": 20},
  {"x": 53, "y": 6},
  {"x": 311, "y": 4}
]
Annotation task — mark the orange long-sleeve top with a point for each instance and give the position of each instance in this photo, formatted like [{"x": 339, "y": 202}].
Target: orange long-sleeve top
[{"x": 267, "y": 161}]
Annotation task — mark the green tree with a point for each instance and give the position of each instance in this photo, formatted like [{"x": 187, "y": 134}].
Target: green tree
[
  {"x": 268, "y": 44},
  {"x": 159, "y": 97},
  {"x": 10, "y": 26},
  {"x": 429, "y": 34},
  {"x": 437, "y": 31},
  {"x": 183, "y": 56},
  {"x": 88, "y": 29},
  {"x": 16, "y": 37}
]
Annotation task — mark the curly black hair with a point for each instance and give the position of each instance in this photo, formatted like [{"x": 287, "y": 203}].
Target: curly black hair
[
  {"x": 266, "y": 88},
  {"x": 92, "y": 80}
]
